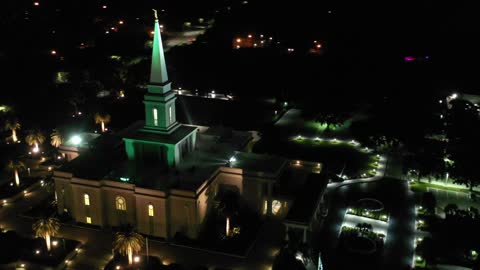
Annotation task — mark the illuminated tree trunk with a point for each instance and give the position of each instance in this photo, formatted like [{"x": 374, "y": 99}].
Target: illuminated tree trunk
[
  {"x": 103, "y": 126},
  {"x": 227, "y": 227},
  {"x": 14, "y": 135},
  {"x": 36, "y": 147},
  {"x": 130, "y": 255},
  {"x": 17, "y": 178},
  {"x": 47, "y": 239}
]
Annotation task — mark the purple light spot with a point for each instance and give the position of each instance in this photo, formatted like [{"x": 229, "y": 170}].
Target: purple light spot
[
  {"x": 409, "y": 58},
  {"x": 427, "y": 57}
]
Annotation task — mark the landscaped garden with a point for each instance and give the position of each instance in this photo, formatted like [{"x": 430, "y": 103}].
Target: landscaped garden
[
  {"x": 345, "y": 158},
  {"x": 16, "y": 248},
  {"x": 369, "y": 208},
  {"x": 10, "y": 189},
  {"x": 360, "y": 246}
]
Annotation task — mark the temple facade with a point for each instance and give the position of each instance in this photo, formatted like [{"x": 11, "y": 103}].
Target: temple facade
[{"x": 162, "y": 176}]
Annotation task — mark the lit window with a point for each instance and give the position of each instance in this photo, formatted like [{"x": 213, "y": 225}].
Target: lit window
[
  {"x": 121, "y": 204},
  {"x": 89, "y": 220},
  {"x": 150, "y": 210},
  {"x": 265, "y": 206},
  {"x": 170, "y": 115},
  {"x": 155, "y": 117},
  {"x": 276, "y": 206},
  {"x": 86, "y": 198}
]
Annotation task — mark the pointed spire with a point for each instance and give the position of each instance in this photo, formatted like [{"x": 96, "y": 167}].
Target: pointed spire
[{"x": 158, "y": 72}]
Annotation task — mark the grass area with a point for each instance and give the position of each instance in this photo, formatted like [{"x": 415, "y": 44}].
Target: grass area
[
  {"x": 336, "y": 156},
  {"x": 14, "y": 247},
  {"x": 422, "y": 187},
  {"x": 9, "y": 189}
]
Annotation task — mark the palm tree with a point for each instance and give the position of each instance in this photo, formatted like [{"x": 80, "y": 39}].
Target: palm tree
[
  {"x": 102, "y": 119},
  {"x": 127, "y": 243},
  {"x": 56, "y": 138},
  {"x": 35, "y": 138},
  {"x": 46, "y": 228},
  {"x": 13, "y": 125},
  {"x": 16, "y": 167}
]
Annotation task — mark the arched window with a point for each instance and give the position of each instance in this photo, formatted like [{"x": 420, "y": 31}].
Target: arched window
[
  {"x": 155, "y": 117},
  {"x": 121, "y": 203},
  {"x": 86, "y": 199},
  {"x": 276, "y": 206},
  {"x": 150, "y": 210}
]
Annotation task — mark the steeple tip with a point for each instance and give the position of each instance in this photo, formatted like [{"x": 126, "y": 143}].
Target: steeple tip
[{"x": 158, "y": 72}]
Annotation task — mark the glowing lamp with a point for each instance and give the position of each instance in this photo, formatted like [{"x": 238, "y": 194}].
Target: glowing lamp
[
  {"x": 136, "y": 259},
  {"x": 76, "y": 140}
]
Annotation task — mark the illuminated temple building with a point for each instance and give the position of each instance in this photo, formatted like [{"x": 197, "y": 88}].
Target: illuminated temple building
[{"x": 163, "y": 176}]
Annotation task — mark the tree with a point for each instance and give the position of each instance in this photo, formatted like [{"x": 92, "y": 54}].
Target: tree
[
  {"x": 56, "y": 138},
  {"x": 16, "y": 168},
  {"x": 35, "y": 138},
  {"x": 331, "y": 120},
  {"x": 465, "y": 171},
  {"x": 46, "y": 228},
  {"x": 102, "y": 119},
  {"x": 450, "y": 209},
  {"x": 13, "y": 125},
  {"x": 384, "y": 143},
  {"x": 127, "y": 243}
]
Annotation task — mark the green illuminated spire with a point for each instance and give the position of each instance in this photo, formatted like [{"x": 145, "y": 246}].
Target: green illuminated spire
[{"x": 158, "y": 74}]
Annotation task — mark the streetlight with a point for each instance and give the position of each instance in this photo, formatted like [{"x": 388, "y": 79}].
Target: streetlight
[{"x": 76, "y": 140}]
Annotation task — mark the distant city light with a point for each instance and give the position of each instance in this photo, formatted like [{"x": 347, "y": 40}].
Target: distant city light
[
  {"x": 53, "y": 52},
  {"x": 36, "y": 3},
  {"x": 120, "y": 22},
  {"x": 239, "y": 40},
  {"x": 104, "y": 6},
  {"x": 250, "y": 36},
  {"x": 409, "y": 58}
]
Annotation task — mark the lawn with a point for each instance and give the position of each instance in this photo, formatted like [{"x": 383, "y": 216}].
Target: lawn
[
  {"x": 14, "y": 247},
  {"x": 9, "y": 189},
  {"x": 336, "y": 156}
]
